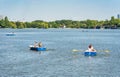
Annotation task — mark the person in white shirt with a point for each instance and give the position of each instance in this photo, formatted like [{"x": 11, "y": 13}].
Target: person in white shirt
[{"x": 91, "y": 49}]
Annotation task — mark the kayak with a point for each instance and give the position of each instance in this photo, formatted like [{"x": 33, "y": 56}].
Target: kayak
[
  {"x": 10, "y": 34},
  {"x": 89, "y": 53},
  {"x": 38, "y": 48}
]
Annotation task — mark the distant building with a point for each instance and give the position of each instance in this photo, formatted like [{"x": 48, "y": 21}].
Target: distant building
[
  {"x": 118, "y": 16},
  {"x": 63, "y": 26}
]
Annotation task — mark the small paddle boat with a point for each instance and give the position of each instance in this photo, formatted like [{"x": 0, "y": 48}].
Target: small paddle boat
[
  {"x": 10, "y": 34},
  {"x": 37, "y": 48},
  {"x": 90, "y": 53}
]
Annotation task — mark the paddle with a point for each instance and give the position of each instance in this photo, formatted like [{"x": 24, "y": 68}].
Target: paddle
[
  {"x": 75, "y": 50},
  {"x": 50, "y": 49},
  {"x": 106, "y": 50}
]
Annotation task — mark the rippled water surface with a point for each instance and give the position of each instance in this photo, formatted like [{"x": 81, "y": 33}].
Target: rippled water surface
[{"x": 16, "y": 60}]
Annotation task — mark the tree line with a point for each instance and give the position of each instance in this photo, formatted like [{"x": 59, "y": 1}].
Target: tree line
[{"x": 86, "y": 24}]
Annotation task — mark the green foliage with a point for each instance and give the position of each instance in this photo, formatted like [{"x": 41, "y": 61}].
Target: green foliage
[
  {"x": 6, "y": 22},
  {"x": 12, "y": 24},
  {"x": 87, "y": 24},
  {"x": 2, "y": 23}
]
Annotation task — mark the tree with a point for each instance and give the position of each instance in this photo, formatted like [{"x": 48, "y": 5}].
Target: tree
[
  {"x": 12, "y": 25},
  {"x": 7, "y": 22},
  {"x": 27, "y": 24},
  {"x": 112, "y": 21},
  {"x": 20, "y": 24},
  {"x": 2, "y": 23}
]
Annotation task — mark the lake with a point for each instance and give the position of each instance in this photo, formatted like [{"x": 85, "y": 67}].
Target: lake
[{"x": 17, "y": 60}]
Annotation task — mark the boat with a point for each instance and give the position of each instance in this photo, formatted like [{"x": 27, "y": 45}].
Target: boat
[
  {"x": 89, "y": 53},
  {"x": 10, "y": 34},
  {"x": 37, "y": 48}
]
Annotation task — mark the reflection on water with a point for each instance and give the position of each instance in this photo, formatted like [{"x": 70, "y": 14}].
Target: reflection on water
[{"x": 17, "y": 60}]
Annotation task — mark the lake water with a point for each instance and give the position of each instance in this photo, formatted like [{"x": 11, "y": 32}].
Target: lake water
[{"x": 17, "y": 60}]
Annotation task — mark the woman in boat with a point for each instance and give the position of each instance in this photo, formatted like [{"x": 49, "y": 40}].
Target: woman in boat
[
  {"x": 35, "y": 44},
  {"x": 40, "y": 44},
  {"x": 91, "y": 49}
]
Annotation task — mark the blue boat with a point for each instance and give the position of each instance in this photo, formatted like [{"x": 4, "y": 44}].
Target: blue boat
[
  {"x": 10, "y": 34},
  {"x": 38, "y": 48},
  {"x": 89, "y": 53}
]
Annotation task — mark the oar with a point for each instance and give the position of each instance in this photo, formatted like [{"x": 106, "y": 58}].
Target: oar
[
  {"x": 75, "y": 50},
  {"x": 50, "y": 49},
  {"x": 106, "y": 50}
]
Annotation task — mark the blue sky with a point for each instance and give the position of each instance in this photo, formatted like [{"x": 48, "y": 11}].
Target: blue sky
[{"x": 50, "y": 10}]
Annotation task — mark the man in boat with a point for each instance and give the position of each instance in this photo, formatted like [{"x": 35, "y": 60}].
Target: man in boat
[
  {"x": 91, "y": 49},
  {"x": 40, "y": 44}
]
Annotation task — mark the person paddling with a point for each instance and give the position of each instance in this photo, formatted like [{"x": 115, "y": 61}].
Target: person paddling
[
  {"x": 35, "y": 44},
  {"x": 40, "y": 44},
  {"x": 91, "y": 49}
]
